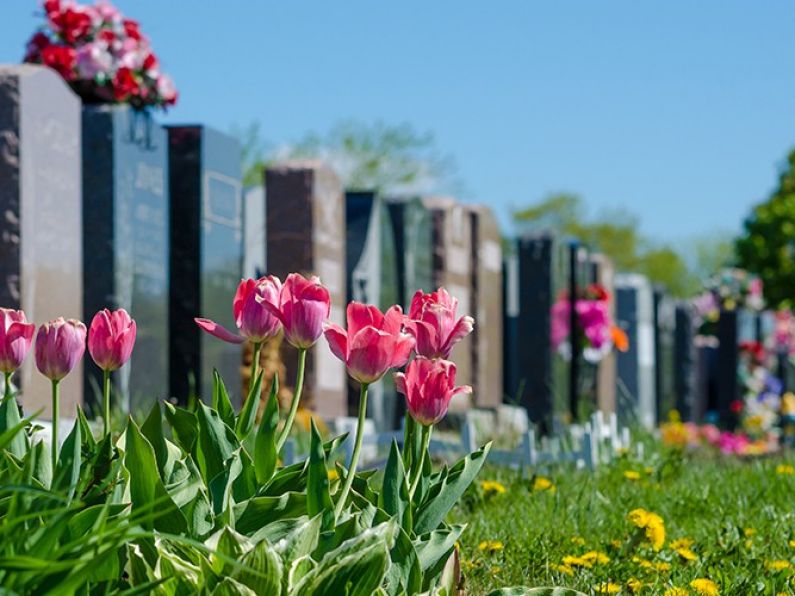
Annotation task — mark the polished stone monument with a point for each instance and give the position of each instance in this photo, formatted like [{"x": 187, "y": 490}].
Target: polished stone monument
[
  {"x": 664, "y": 317},
  {"x": 41, "y": 250},
  {"x": 685, "y": 362},
  {"x": 412, "y": 228},
  {"x": 603, "y": 273},
  {"x": 371, "y": 278},
  {"x": 206, "y": 257},
  {"x": 254, "y": 253},
  {"x": 486, "y": 341},
  {"x": 305, "y": 216},
  {"x": 125, "y": 244}
]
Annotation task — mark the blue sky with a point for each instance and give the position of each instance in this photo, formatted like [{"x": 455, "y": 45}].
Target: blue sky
[{"x": 680, "y": 111}]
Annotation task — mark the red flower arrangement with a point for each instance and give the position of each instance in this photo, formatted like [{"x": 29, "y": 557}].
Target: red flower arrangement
[{"x": 101, "y": 54}]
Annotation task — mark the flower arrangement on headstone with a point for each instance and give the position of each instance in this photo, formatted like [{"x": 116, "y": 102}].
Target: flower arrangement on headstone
[
  {"x": 596, "y": 332},
  {"x": 101, "y": 54},
  {"x": 729, "y": 289}
]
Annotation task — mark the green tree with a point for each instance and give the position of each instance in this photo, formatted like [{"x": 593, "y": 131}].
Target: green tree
[{"x": 767, "y": 245}]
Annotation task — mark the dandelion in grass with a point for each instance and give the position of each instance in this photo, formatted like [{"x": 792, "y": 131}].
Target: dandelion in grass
[
  {"x": 749, "y": 532},
  {"x": 634, "y": 585},
  {"x": 705, "y": 587},
  {"x": 662, "y": 566},
  {"x": 652, "y": 525},
  {"x": 649, "y": 470},
  {"x": 492, "y": 487},
  {"x": 596, "y": 557},
  {"x": 686, "y": 554},
  {"x": 578, "y": 540},
  {"x": 677, "y": 592},
  {"x": 778, "y": 565},
  {"x": 632, "y": 475},
  {"x": 616, "y": 543},
  {"x": 563, "y": 568},
  {"x": 495, "y": 570},
  {"x": 607, "y": 588},
  {"x": 577, "y": 561},
  {"x": 681, "y": 543},
  {"x": 785, "y": 469},
  {"x": 541, "y": 484},
  {"x": 491, "y": 546},
  {"x": 791, "y": 543}
]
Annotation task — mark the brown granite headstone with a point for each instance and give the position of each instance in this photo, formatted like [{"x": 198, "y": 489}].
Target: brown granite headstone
[
  {"x": 41, "y": 256},
  {"x": 486, "y": 343},
  {"x": 452, "y": 269},
  {"x": 305, "y": 215}
]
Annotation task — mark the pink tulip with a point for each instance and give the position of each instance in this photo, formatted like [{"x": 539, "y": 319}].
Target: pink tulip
[
  {"x": 594, "y": 320},
  {"x": 60, "y": 345},
  {"x": 429, "y": 385},
  {"x": 303, "y": 307},
  {"x": 374, "y": 342},
  {"x": 433, "y": 321},
  {"x": 111, "y": 338},
  {"x": 254, "y": 320},
  {"x": 16, "y": 335}
]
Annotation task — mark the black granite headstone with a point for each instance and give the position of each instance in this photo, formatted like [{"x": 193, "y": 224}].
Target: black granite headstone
[
  {"x": 206, "y": 256},
  {"x": 125, "y": 244},
  {"x": 727, "y": 388},
  {"x": 412, "y": 228},
  {"x": 685, "y": 363},
  {"x": 41, "y": 247},
  {"x": 664, "y": 353}
]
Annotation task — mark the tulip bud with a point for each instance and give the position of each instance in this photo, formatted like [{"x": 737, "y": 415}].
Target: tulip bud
[
  {"x": 16, "y": 336},
  {"x": 111, "y": 338},
  {"x": 302, "y": 308},
  {"x": 373, "y": 343},
  {"x": 60, "y": 345},
  {"x": 434, "y": 323},
  {"x": 429, "y": 385}
]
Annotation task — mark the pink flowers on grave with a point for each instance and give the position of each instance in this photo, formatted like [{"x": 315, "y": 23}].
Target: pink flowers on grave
[
  {"x": 429, "y": 385},
  {"x": 434, "y": 323},
  {"x": 102, "y": 54},
  {"x": 111, "y": 338},
  {"x": 16, "y": 336},
  {"x": 60, "y": 344},
  {"x": 302, "y": 307},
  {"x": 255, "y": 321},
  {"x": 373, "y": 343}
]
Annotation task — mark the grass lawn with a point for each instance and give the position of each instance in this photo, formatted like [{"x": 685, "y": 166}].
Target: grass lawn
[{"x": 739, "y": 516}]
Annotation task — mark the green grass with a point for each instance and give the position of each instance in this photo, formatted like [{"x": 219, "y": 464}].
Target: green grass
[{"x": 711, "y": 500}]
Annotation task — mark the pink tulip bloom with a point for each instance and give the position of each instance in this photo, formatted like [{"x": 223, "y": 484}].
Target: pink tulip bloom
[
  {"x": 16, "y": 335},
  {"x": 302, "y": 308},
  {"x": 254, "y": 320},
  {"x": 60, "y": 345},
  {"x": 111, "y": 338},
  {"x": 429, "y": 385},
  {"x": 434, "y": 323},
  {"x": 594, "y": 320},
  {"x": 373, "y": 343}
]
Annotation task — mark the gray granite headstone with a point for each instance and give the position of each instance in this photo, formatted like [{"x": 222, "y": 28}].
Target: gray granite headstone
[
  {"x": 254, "y": 243},
  {"x": 305, "y": 214},
  {"x": 125, "y": 215},
  {"x": 206, "y": 257},
  {"x": 41, "y": 254}
]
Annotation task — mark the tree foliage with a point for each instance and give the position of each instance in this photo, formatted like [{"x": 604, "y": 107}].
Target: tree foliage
[{"x": 767, "y": 245}]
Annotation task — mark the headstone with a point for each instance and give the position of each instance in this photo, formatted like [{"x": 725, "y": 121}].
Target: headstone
[
  {"x": 371, "y": 278},
  {"x": 41, "y": 246},
  {"x": 452, "y": 269},
  {"x": 412, "y": 228},
  {"x": 664, "y": 317},
  {"x": 206, "y": 257},
  {"x": 685, "y": 363},
  {"x": 306, "y": 234},
  {"x": 125, "y": 244},
  {"x": 254, "y": 243},
  {"x": 603, "y": 274},
  {"x": 635, "y": 315},
  {"x": 581, "y": 373},
  {"x": 486, "y": 342},
  {"x": 536, "y": 372},
  {"x": 727, "y": 363}
]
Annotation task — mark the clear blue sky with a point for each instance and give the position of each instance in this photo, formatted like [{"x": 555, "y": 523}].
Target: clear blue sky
[{"x": 679, "y": 110}]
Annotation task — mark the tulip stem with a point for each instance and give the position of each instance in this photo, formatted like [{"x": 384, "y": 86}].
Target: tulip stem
[
  {"x": 426, "y": 441},
  {"x": 55, "y": 408},
  {"x": 106, "y": 397},
  {"x": 255, "y": 363},
  {"x": 7, "y": 386},
  {"x": 357, "y": 446},
  {"x": 299, "y": 387}
]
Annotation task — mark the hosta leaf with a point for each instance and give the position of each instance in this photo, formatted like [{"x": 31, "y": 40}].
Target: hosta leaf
[
  {"x": 394, "y": 497},
  {"x": 445, "y": 494},
  {"x": 184, "y": 426},
  {"x": 300, "y": 541},
  {"x": 245, "y": 422},
  {"x": 221, "y": 402},
  {"x": 436, "y": 546},
  {"x": 221, "y": 489},
  {"x": 298, "y": 569},
  {"x": 262, "y": 569},
  {"x": 254, "y": 513},
  {"x": 230, "y": 587},
  {"x": 520, "y": 591},
  {"x": 215, "y": 444},
  {"x": 152, "y": 429},
  {"x": 265, "y": 455},
  {"x": 318, "y": 498},
  {"x": 404, "y": 574},
  {"x": 226, "y": 544}
]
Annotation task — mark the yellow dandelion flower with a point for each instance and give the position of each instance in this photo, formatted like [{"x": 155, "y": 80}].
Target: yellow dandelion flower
[
  {"x": 632, "y": 475},
  {"x": 634, "y": 585},
  {"x": 495, "y": 570},
  {"x": 490, "y": 546},
  {"x": 705, "y": 587},
  {"x": 749, "y": 543},
  {"x": 686, "y": 554},
  {"x": 785, "y": 469},
  {"x": 749, "y": 532},
  {"x": 607, "y": 588},
  {"x": 596, "y": 557},
  {"x": 638, "y": 517},
  {"x": 578, "y": 540},
  {"x": 567, "y": 569},
  {"x": 779, "y": 565},
  {"x": 655, "y": 531},
  {"x": 575, "y": 561},
  {"x": 492, "y": 486},
  {"x": 616, "y": 543},
  {"x": 541, "y": 484},
  {"x": 792, "y": 543},
  {"x": 677, "y": 592},
  {"x": 662, "y": 566},
  {"x": 681, "y": 543},
  {"x": 646, "y": 564}
]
